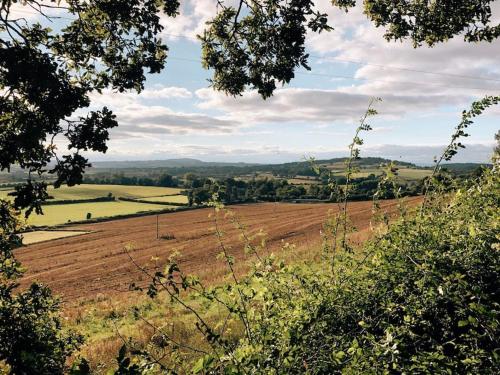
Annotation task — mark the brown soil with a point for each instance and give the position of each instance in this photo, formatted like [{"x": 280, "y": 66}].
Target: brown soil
[{"x": 97, "y": 263}]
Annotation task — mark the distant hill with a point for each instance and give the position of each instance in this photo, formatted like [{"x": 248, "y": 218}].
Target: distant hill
[
  {"x": 195, "y": 163},
  {"x": 179, "y": 167},
  {"x": 168, "y": 163}
]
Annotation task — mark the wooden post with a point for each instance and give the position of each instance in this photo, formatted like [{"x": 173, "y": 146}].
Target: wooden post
[{"x": 157, "y": 228}]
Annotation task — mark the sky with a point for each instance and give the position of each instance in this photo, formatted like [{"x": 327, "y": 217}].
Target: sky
[{"x": 423, "y": 92}]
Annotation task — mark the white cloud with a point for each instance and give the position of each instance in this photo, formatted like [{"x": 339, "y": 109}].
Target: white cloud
[
  {"x": 190, "y": 21},
  {"x": 162, "y": 92},
  {"x": 141, "y": 115},
  {"x": 31, "y": 12},
  {"x": 158, "y": 120},
  {"x": 313, "y": 105}
]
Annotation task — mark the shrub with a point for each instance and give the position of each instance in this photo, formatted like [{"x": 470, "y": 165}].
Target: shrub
[{"x": 31, "y": 339}]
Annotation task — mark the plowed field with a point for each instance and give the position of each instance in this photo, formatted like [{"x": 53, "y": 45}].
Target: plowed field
[{"x": 97, "y": 262}]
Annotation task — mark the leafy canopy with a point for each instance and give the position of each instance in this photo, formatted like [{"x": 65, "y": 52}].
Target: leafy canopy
[
  {"x": 260, "y": 44},
  {"x": 46, "y": 76}
]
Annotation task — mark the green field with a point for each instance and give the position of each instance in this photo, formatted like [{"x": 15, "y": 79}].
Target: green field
[
  {"x": 413, "y": 174},
  {"x": 88, "y": 191},
  {"x": 94, "y": 191},
  {"x": 62, "y": 213},
  {"x": 363, "y": 173},
  {"x": 406, "y": 174},
  {"x": 168, "y": 199}
]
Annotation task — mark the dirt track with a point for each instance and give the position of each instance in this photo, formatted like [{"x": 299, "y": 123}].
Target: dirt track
[{"x": 94, "y": 263}]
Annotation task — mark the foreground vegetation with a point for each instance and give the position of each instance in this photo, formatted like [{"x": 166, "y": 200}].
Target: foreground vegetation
[{"x": 421, "y": 297}]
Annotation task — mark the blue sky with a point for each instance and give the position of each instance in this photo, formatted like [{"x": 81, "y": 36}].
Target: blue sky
[{"x": 178, "y": 115}]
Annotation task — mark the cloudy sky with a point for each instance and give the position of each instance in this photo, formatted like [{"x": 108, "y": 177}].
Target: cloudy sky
[{"x": 423, "y": 92}]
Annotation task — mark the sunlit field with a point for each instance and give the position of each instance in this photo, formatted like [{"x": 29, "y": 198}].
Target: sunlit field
[{"x": 64, "y": 213}]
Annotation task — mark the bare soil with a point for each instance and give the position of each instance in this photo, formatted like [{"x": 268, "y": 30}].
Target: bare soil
[{"x": 98, "y": 263}]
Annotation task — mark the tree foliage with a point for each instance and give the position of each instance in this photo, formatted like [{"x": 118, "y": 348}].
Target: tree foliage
[
  {"x": 432, "y": 22},
  {"x": 47, "y": 74},
  {"x": 260, "y": 44}
]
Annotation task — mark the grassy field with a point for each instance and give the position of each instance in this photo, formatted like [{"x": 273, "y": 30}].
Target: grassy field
[
  {"x": 88, "y": 191},
  {"x": 413, "y": 174},
  {"x": 63, "y": 213},
  {"x": 168, "y": 199},
  {"x": 406, "y": 174},
  {"x": 94, "y": 191},
  {"x": 302, "y": 181}
]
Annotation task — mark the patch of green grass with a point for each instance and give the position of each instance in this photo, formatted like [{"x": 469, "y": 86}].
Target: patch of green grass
[
  {"x": 362, "y": 173},
  {"x": 94, "y": 191},
  {"x": 90, "y": 191},
  {"x": 413, "y": 174},
  {"x": 62, "y": 213}
]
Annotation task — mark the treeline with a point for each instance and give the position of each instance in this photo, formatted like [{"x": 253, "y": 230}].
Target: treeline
[
  {"x": 230, "y": 190},
  {"x": 285, "y": 170},
  {"x": 163, "y": 180}
]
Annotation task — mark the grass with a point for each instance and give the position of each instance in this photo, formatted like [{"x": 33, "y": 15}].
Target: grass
[
  {"x": 168, "y": 199},
  {"x": 413, "y": 174},
  {"x": 361, "y": 174},
  {"x": 405, "y": 174},
  {"x": 94, "y": 191},
  {"x": 62, "y": 213},
  {"x": 89, "y": 191}
]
